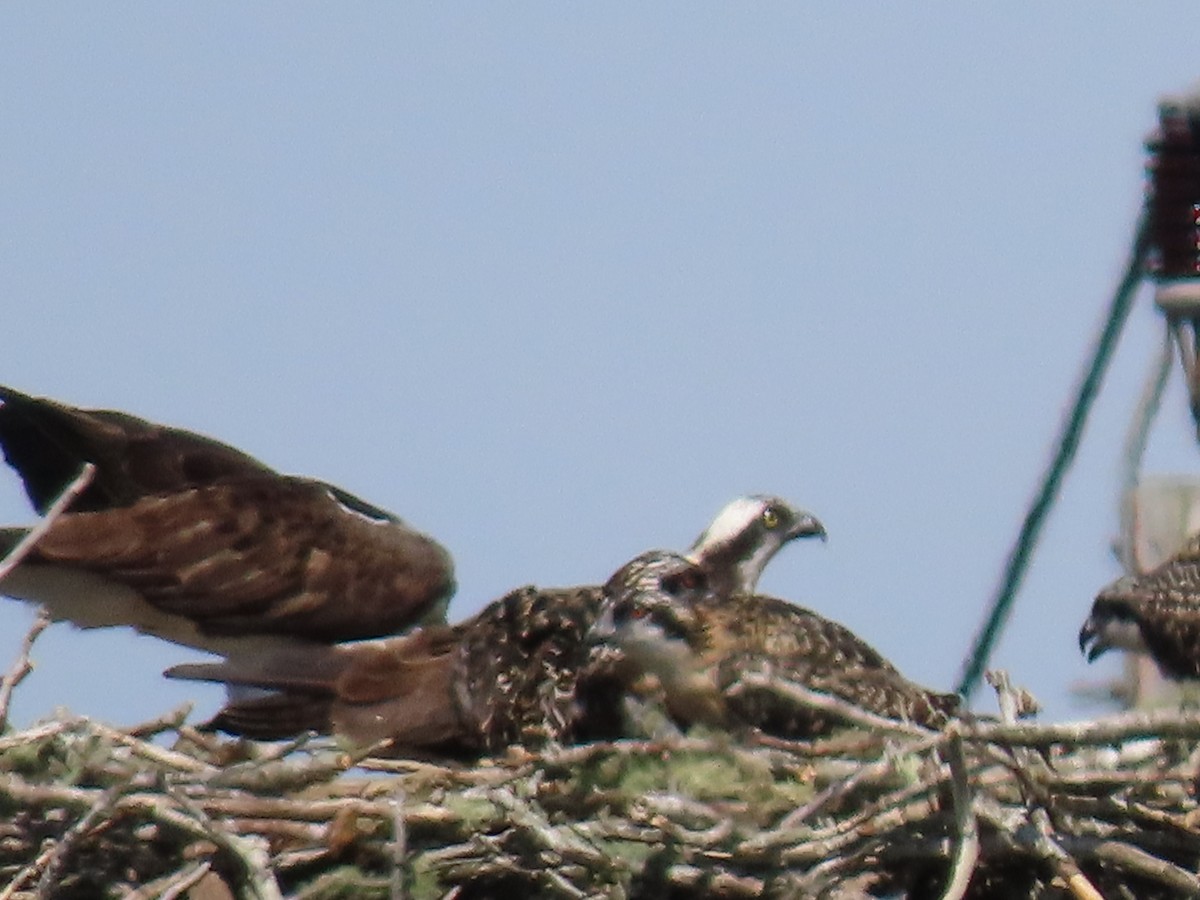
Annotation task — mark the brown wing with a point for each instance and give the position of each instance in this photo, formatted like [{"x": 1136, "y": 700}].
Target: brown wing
[
  {"x": 263, "y": 554},
  {"x": 798, "y": 645},
  {"x": 47, "y": 443},
  {"x": 786, "y": 633}
]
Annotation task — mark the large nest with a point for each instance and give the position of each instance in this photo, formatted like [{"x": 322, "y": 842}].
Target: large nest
[{"x": 982, "y": 809}]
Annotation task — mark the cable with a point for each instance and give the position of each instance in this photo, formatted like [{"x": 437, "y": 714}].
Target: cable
[{"x": 1068, "y": 442}]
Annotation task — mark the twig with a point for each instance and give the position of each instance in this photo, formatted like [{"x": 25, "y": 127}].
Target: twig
[
  {"x": 397, "y": 887},
  {"x": 22, "y": 666},
  {"x": 187, "y": 881},
  {"x": 827, "y": 703},
  {"x": 863, "y": 775},
  {"x": 259, "y": 880},
  {"x": 1063, "y": 862},
  {"x": 56, "y": 509},
  {"x": 54, "y": 862},
  {"x": 172, "y": 886},
  {"x": 168, "y": 759},
  {"x": 168, "y": 721},
  {"x": 965, "y": 823}
]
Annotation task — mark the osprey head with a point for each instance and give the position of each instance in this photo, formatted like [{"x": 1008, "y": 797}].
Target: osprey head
[
  {"x": 648, "y": 609},
  {"x": 744, "y": 537},
  {"x": 1112, "y": 624}
]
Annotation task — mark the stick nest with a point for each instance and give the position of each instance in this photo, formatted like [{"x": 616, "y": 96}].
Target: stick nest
[{"x": 982, "y": 809}]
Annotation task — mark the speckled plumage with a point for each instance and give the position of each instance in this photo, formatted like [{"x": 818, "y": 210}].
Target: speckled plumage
[
  {"x": 660, "y": 610},
  {"x": 522, "y": 670},
  {"x": 214, "y": 542},
  {"x": 519, "y": 672},
  {"x": 1156, "y": 613}
]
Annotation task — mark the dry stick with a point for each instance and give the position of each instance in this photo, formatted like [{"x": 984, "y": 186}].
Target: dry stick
[
  {"x": 64, "y": 845},
  {"x": 174, "y": 885},
  {"x": 880, "y": 769},
  {"x": 1119, "y": 854},
  {"x": 57, "y": 508},
  {"x": 967, "y": 854},
  {"x": 259, "y": 881},
  {"x": 396, "y": 887},
  {"x": 1114, "y": 730},
  {"x": 22, "y": 666},
  {"x": 186, "y": 882},
  {"x": 167, "y": 759},
  {"x": 1050, "y": 850},
  {"x": 168, "y": 721},
  {"x": 848, "y": 712},
  {"x": 1045, "y": 843}
]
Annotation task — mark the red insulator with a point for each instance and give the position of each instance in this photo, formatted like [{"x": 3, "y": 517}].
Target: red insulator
[{"x": 1174, "y": 193}]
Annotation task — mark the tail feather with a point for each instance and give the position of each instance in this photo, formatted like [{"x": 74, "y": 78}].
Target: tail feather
[
  {"x": 398, "y": 689},
  {"x": 303, "y": 667},
  {"x": 273, "y": 717}
]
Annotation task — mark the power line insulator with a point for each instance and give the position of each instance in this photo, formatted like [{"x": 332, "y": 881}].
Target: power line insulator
[{"x": 1173, "y": 171}]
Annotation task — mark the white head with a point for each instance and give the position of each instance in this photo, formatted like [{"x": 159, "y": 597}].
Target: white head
[{"x": 745, "y": 536}]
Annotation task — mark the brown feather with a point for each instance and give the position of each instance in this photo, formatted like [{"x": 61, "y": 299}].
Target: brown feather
[
  {"x": 47, "y": 442},
  {"x": 211, "y": 535},
  {"x": 700, "y": 644},
  {"x": 1164, "y": 604}
]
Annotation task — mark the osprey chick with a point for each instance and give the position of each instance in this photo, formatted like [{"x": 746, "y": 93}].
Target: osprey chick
[
  {"x": 662, "y": 613},
  {"x": 1157, "y": 613},
  {"x": 522, "y": 670}
]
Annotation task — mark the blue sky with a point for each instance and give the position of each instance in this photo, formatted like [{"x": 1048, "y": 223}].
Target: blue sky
[{"x": 554, "y": 282}]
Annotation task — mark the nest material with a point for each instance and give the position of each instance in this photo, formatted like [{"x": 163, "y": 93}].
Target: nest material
[{"x": 1099, "y": 809}]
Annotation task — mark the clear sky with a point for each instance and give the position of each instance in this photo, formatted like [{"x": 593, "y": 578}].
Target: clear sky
[{"x": 555, "y": 281}]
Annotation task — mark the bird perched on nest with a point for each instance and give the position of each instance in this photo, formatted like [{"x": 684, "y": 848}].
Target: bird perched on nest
[
  {"x": 520, "y": 671},
  {"x": 661, "y": 611},
  {"x": 1157, "y": 613},
  {"x": 190, "y": 540}
]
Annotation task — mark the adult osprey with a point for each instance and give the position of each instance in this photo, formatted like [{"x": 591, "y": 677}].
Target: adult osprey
[
  {"x": 190, "y": 540},
  {"x": 661, "y": 611},
  {"x": 522, "y": 670},
  {"x": 1156, "y": 613}
]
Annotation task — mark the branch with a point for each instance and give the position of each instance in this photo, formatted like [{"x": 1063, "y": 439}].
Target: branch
[
  {"x": 827, "y": 703},
  {"x": 57, "y": 508},
  {"x": 21, "y": 666}
]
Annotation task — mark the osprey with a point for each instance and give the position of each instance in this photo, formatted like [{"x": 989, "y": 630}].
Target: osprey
[
  {"x": 522, "y": 670},
  {"x": 743, "y": 538},
  {"x": 662, "y": 613},
  {"x": 1156, "y": 613},
  {"x": 190, "y": 540}
]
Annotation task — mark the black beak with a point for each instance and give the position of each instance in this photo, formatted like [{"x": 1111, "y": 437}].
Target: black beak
[
  {"x": 807, "y": 525},
  {"x": 604, "y": 628},
  {"x": 1091, "y": 644}
]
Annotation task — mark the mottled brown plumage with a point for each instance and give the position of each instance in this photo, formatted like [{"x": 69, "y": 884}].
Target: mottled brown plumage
[
  {"x": 1157, "y": 613},
  {"x": 662, "y": 614},
  {"x": 193, "y": 541},
  {"x": 520, "y": 671}
]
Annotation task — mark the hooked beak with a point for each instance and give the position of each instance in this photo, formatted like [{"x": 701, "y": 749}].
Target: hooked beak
[
  {"x": 807, "y": 525},
  {"x": 1091, "y": 641},
  {"x": 604, "y": 628}
]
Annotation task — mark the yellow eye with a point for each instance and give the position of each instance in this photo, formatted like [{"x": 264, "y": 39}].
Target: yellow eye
[{"x": 770, "y": 517}]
